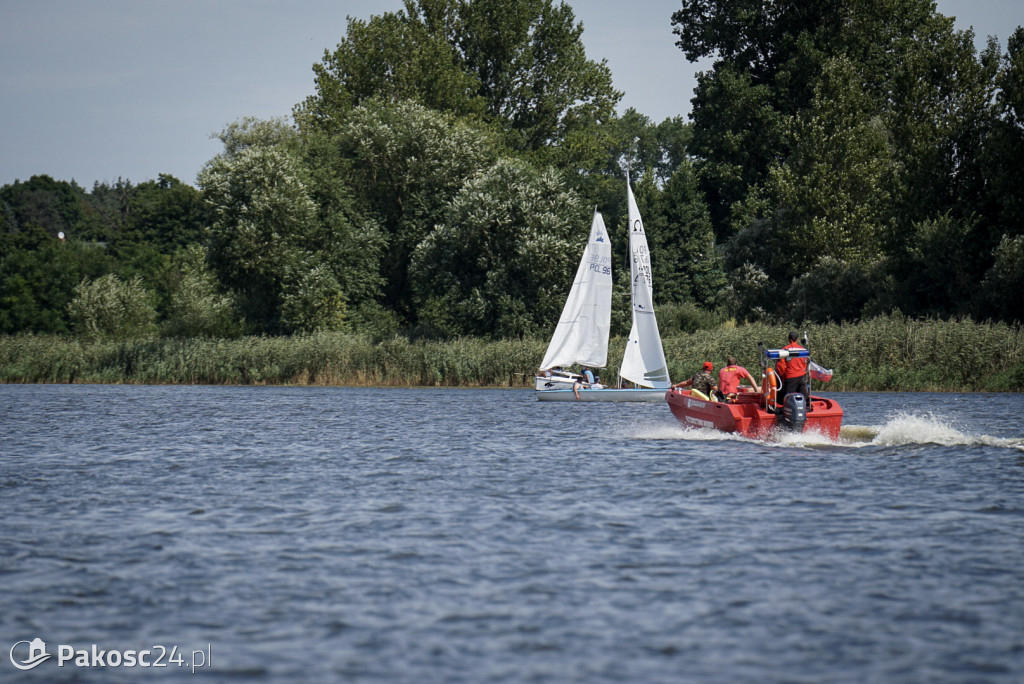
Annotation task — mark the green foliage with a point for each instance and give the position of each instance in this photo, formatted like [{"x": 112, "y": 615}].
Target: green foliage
[
  {"x": 752, "y": 295},
  {"x": 939, "y": 274},
  {"x": 886, "y": 353},
  {"x": 737, "y": 134},
  {"x": 249, "y": 132},
  {"x": 38, "y": 275},
  {"x": 1005, "y": 144},
  {"x": 844, "y": 159},
  {"x": 120, "y": 228},
  {"x": 533, "y": 71},
  {"x": 830, "y": 197},
  {"x": 686, "y": 318},
  {"x": 683, "y": 259},
  {"x": 937, "y": 104},
  {"x": 520, "y": 65},
  {"x": 106, "y": 212},
  {"x": 836, "y": 290},
  {"x": 197, "y": 308},
  {"x": 312, "y": 300},
  {"x": 502, "y": 262},
  {"x": 405, "y": 163},
  {"x": 889, "y": 353},
  {"x": 261, "y": 211},
  {"x": 855, "y": 131},
  {"x": 352, "y": 239},
  {"x": 396, "y": 57},
  {"x": 42, "y": 202},
  {"x": 878, "y": 103},
  {"x": 1004, "y": 282},
  {"x": 318, "y": 359},
  {"x": 166, "y": 214},
  {"x": 270, "y": 242},
  {"x": 111, "y": 308},
  {"x": 375, "y": 322}
]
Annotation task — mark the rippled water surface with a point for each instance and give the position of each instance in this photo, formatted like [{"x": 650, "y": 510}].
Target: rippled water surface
[{"x": 331, "y": 534}]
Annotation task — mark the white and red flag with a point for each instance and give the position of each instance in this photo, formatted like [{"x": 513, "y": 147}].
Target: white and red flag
[{"x": 819, "y": 373}]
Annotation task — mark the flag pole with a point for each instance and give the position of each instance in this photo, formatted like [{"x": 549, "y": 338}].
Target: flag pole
[{"x": 807, "y": 370}]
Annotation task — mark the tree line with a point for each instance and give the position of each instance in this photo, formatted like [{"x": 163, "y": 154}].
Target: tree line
[{"x": 844, "y": 160}]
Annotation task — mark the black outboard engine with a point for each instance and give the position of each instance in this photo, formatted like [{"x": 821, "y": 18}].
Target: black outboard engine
[{"x": 794, "y": 411}]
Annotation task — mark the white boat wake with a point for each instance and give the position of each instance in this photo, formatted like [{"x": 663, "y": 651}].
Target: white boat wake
[
  {"x": 902, "y": 429},
  {"x": 911, "y": 428}
]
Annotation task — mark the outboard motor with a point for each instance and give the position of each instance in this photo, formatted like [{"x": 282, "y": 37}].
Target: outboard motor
[{"x": 794, "y": 411}]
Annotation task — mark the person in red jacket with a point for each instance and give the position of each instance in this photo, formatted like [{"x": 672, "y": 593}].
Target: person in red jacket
[
  {"x": 792, "y": 371},
  {"x": 729, "y": 378}
]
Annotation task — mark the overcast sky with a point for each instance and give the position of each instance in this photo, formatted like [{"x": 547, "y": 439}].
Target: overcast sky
[{"x": 97, "y": 90}]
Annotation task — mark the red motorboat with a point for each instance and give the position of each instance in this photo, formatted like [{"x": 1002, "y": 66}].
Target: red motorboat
[
  {"x": 756, "y": 414},
  {"x": 747, "y": 415}
]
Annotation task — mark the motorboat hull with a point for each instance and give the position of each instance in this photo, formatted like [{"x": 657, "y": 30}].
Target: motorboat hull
[{"x": 748, "y": 416}]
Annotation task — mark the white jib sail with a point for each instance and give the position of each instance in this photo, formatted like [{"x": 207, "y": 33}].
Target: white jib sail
[
  {"x": 644, "y": 360},
  {"x": 582, "y": 332}
]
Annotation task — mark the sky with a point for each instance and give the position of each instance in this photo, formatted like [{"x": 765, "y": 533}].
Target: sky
[{"x": 107, "y": 89}]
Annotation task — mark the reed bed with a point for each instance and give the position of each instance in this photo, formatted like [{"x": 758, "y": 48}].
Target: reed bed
[
  {"x": 322, "y": 359},
  {"x": 890, "y": 353}
]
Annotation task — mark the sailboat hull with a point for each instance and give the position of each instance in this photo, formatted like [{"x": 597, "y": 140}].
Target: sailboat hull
[
  {"x": 554, "y": 381},
  {"x": 621, "y": 395}
]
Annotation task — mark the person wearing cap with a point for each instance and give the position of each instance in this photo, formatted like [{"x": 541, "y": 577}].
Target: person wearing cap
[
  {"x": 702, "y": 381},
  {"x": 793, "y": 371},
  {"x": 729, "y": 378}
]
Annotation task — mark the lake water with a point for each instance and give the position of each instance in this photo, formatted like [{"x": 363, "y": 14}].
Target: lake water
[{"x": 439, "y": 535}]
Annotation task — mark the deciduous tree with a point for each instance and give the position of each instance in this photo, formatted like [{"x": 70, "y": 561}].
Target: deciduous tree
[
  {"x": 520, "y": 64},
  {"x": 268, "y": 238},
  {"x": 109, "y": 307},
  {"x": 502, "y": 262},
  {"x": 405, "y": 163}
]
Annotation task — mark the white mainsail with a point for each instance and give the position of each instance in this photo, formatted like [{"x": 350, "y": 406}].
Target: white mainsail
[
  {"x": 644, "y": 360},
  {"x": 582, "y": 332}
]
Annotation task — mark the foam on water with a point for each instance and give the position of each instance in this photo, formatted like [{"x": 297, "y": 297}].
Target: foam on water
[
  {"x": 927, "y": 428},
  {"x": 910, "y": 428},
  {"x": 901, "y": 429},
  {"x": 677, "y": 431}
]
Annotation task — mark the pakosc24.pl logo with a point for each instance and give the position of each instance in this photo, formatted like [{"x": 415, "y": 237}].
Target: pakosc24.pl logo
[
  {"x": 26, "y": 655},
  {"x": 36, "y": 654}
]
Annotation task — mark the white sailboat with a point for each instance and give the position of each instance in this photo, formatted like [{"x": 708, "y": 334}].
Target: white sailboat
[{"x": 582, "y": 332}]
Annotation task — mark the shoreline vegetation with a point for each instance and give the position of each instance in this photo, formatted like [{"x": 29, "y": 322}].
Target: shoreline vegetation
[{"x": 889, "y": 353}]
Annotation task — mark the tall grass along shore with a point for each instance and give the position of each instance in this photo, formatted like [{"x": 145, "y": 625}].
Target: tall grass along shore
[{"x": 883, "y": 354}]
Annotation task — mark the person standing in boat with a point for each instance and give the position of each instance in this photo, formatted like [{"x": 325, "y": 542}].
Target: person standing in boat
[
  {"x": 702, "y": 382},
  {"x": 792, "y": 371},
  {"x": 730, "y": 377}
]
